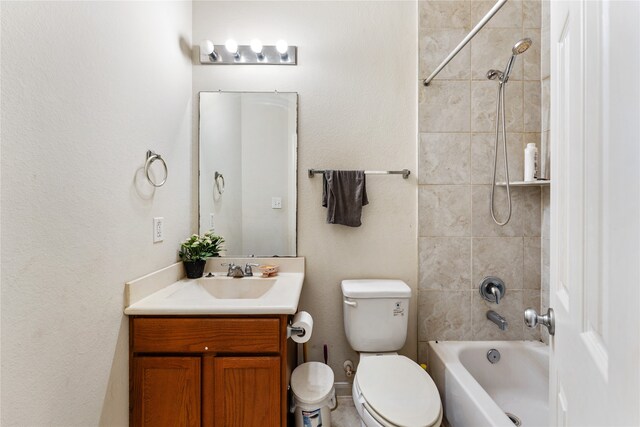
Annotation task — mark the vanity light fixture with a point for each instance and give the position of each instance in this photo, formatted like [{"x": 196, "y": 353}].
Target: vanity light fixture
[
  {"x": 207, "y": 48},
  {"x": 232, "y": 47},
  {"x": 283, "y": 48},
  {"x": 256, "y": 47},
  {"x": 253, "y": 54}
]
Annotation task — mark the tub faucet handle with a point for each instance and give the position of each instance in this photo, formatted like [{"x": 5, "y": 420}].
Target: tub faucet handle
[
  {"x": 492, "y": 289},
  {"x": 495, "y": 291}
]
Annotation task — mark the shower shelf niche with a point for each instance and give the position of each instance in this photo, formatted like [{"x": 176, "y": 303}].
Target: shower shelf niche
[{"x": 538, "y": 183}]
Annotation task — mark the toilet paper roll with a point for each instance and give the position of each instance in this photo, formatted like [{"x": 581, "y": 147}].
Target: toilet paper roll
[{"x": 303, "y": 320}]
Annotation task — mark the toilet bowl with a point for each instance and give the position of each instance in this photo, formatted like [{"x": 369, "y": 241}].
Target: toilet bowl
[
  {"x": 389, "y": 390},
  {"x": 392, "y": 390}
]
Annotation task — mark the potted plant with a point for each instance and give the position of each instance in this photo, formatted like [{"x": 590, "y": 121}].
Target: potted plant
[{"x": 196, "y": 249}]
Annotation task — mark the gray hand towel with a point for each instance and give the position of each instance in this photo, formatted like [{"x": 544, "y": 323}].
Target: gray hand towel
[{"x": 344, "y": 193}]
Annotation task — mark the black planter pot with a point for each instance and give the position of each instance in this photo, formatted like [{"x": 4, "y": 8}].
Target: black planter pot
[{"x": 194, "y": 269}]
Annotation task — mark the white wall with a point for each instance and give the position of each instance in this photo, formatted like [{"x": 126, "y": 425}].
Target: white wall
[
  {"x": 357, "y": 83},
  {"x": 87, "y": 88}
]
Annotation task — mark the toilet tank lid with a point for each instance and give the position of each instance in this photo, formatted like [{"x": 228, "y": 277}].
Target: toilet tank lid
[{"x": 375, "y": 288}]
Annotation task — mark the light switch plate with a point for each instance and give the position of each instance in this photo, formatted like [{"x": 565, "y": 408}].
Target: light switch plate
[{"x": 276, "y": 203}]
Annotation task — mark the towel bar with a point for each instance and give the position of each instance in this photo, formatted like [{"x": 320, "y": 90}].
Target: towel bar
[{"x": 404, "y": 172}]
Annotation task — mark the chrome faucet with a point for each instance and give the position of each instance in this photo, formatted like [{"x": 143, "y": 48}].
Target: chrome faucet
[
  {"x": 492, "y": 289},
  {"x": 248, "y": 272},
  {"x": 497, "y": 319},
  {"x": 234, "y": 270}
]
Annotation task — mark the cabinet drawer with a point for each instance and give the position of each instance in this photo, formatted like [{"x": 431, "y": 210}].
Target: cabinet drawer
[{"x": 166, "y": 335}]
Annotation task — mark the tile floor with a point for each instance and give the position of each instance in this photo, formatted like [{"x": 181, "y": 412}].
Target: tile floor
[{"x": 346, "y": 414}]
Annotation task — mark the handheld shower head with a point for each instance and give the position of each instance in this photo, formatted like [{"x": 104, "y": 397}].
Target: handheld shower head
[{"x": 521, "y": 46}]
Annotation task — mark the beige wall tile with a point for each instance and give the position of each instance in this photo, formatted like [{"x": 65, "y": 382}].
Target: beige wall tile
[
  {"x": 531, "y": 58},
  {"x": 491, "y": 48},
  {"x": 482, "y": 157},
  {"x": 545, "y": 228},
  {"x": 444, "y": 315},
  {"x": 509, "y": 15},
  {"x": 445, "y": 263},
  {"x": 544, "y": 282},
  {"x": 445, "y": 210},
  {"x": 498, "y": 256},
  {"x": 545, "y": 110},
  {"x": 544, "y": 162},
  {"x": 483, "y": 225},
  {"x": 545, "y": 14},
  {"x": 532, "y": 13},
  {"x": 545, "y": 53},
  {"x": 445, "y": 14},
  {"x": 444, "y": 107},
  {"x": 531, "y": 211},
  {"x": 444, "y": 158},
  {"x": 435, "y": 45},
  {"x": 484, "y": 95},
  {"x": 531, "y": 275},
  {"x": 546, "y": 151},
  {"x": 510, "y": 308},
  {"x": 532, "y": 108}
]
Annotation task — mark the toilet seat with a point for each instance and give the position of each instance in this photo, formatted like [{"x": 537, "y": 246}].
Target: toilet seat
[{"x": 395, "y": 391}]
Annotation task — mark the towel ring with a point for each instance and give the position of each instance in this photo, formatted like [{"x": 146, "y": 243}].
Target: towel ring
[
  {"x": 152, "y": 157},
  {"x": 217, "y": 177}
]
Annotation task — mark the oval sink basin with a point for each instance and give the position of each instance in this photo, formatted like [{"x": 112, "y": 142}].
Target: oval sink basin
[{"x": 230, "y": 288}]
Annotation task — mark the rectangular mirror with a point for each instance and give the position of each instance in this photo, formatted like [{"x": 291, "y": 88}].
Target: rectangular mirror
[{"x": 248, "y": 162}]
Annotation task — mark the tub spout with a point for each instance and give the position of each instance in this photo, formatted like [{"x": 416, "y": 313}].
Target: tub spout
[{"x": 497, "y": 319}]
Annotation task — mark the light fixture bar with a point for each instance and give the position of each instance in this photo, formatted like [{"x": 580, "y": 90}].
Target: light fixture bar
[{"x": 246, "y": 56}]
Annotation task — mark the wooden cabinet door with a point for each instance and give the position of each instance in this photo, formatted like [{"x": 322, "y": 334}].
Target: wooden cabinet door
[
  {"x": 247, "y": 392},
  {"x": 166, "y": 391}
]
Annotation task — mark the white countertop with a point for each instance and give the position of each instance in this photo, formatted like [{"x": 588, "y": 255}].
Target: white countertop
[{"x": 161, "y": 294}]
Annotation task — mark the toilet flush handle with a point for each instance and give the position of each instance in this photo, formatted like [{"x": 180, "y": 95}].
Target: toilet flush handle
[{"x": 351, "y": 303}]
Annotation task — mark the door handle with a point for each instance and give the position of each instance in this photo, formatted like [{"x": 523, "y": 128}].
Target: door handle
[
  {"x": 351, "y": 303},
  {"x": 532, "y": 319}
]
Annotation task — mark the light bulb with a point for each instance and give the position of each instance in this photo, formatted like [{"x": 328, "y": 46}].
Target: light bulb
[
  {"x": 282, "y": 47},
  {"x": 231, "y": 46},
  {"x": 256, "y": 46},
  {"x": 206, "y": 47}
]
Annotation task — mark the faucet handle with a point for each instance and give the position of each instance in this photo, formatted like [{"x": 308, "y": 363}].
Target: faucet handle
[
  {"x": 247, "y": 268},
  {"x": 492, "y": 289},
  {"x": 232, "y": 266}
]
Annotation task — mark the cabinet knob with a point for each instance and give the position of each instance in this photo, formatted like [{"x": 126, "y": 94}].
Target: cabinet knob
[{"x": 206, "y": 348}]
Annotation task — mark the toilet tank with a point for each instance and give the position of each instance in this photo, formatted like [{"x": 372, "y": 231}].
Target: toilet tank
[{"x": 376, "y": 314}]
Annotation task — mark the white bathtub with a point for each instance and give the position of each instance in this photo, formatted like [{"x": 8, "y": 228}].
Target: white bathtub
[{"x": 477, "y": 393}]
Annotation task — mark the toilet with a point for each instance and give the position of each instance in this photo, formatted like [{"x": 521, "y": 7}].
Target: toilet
[{"x": 389, "y": 390}]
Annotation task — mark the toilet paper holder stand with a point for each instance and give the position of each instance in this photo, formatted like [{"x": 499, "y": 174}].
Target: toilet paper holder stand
[{"x": 295, "y": 330}]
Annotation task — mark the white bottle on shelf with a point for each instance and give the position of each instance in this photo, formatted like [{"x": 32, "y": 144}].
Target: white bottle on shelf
[{"x": 530, "y": 162}]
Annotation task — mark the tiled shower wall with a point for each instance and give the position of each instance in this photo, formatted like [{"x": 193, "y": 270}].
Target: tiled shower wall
[{"x": 458, "y": 242}]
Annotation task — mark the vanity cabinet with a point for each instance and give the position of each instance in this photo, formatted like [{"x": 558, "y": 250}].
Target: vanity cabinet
[{"x": 210, "y": 371}]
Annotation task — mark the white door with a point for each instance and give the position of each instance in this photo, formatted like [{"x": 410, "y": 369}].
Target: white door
[{"x": 595, "y": 211}]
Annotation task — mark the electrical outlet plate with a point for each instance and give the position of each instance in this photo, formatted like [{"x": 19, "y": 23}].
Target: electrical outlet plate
[
  {"x": 211, "y": 221},
  {"x": 276, "y": 203},
  {"x": 158, "y": 229}
]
